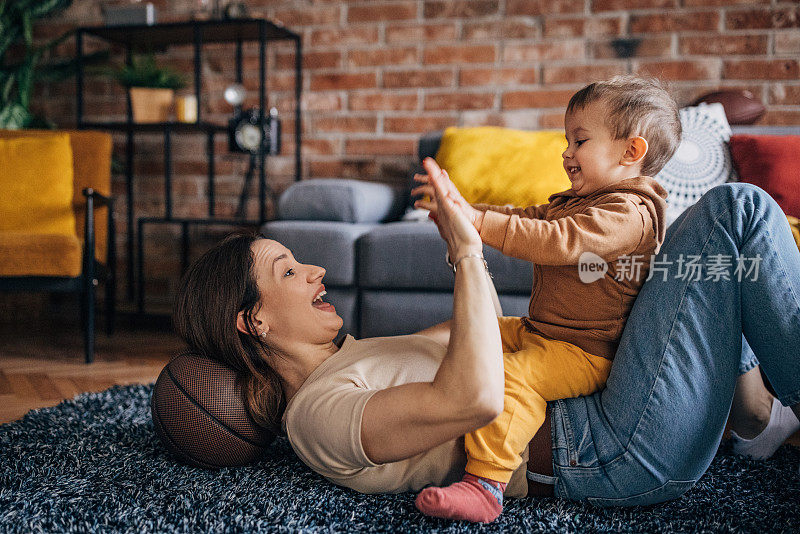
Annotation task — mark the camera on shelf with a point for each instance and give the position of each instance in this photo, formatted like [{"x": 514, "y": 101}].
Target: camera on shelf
[{"x": 246, "y": 132}]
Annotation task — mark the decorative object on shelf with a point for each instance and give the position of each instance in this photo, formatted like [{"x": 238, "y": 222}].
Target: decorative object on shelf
[
  {"x": 186, "y": 108},
  {"x": 741, "y": 107},
  {"x": 21, "y": 61},
  {"x": 151, "y": 88},
  {"x": 245, "y": 134},
  {"x": 207, "y": 10},
  {"x": 235, "y": 10},
  {"x": 626, "y": 47},
  {"x": 129, "y": 14}
]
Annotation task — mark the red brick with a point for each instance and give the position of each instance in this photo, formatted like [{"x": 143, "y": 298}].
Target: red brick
[
  {"x": 581, "y": 73},
  {"x": 627, "y": 5},
  {"x": 377, "y": 11},
  {"x": 780, "y": 117},
  {"x": 500, "y": 29},
  {"x": 418, "y": 78},
  {"x": 534, "y": 8},
  {"x": 317, "y": 16},
  {"x": 382, "y": 100},
  {"x": 551, "y": 121},
  {"x": 420, "y": 33},
  {"x": 648, "y": 47},
  {"x": 458, "y": 101},
  {"x": 345, "y": 36},
  {"x": 349, "y": 167},
  {"x": 311, "y": 60},
  {"x": 284, "y": 81},
  {"x": 536, "y": 99},
  {"x": 775, "y": 69},
  {"x": 787, "y": 43},
  {"x": 497, "y": 76},
  {"x": 582, "y": 27},
  {"x": 345, "y": 123},
  {"x": 382, "y": 56},
  {"x": 785, "y": 94},
  {"x": 316, "y": 147},
  {"x": 765, "y": 18},
  {"x": 343, "y": 80},
  {"x": 376, "y": 147},
  {"x": 573, "y": 49},
  {"x": 678, "y": 22},
  {"x": 701, "y": 69},
  {"x": 724, "y": 45},
  {"x": 722, "y": 3},
  {"x": 319, "y": 102},
  {"x": 460, "y": 8},
  {"x": 439, "y": 55},
  {"x": 418, "y": 124}
]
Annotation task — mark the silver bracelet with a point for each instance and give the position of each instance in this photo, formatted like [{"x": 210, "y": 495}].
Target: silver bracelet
[{"x": 454, "y": 266}]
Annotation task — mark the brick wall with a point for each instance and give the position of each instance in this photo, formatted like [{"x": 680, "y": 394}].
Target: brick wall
[{"x": 379, "y": 73}]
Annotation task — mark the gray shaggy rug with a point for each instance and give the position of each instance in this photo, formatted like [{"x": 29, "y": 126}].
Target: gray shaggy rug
[{"x": 94, "y": 464}]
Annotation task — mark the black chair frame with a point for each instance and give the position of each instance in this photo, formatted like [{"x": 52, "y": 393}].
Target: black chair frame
[{"x": 84, "y": 285}]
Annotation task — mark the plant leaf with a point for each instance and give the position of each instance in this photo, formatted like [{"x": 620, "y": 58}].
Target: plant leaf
[{"x": 14, "y": 117}]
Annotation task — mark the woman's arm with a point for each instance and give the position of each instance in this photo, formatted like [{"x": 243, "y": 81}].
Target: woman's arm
[
  {"x": 441, "y": 332},
  {"x": 467, "y": 391}
]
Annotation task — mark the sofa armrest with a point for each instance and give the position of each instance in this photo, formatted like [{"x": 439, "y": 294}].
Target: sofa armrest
[{"x": 350, "y": 201}]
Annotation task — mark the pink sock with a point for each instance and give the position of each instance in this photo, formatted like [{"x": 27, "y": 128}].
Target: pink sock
[{"x": 475, "y": 499}]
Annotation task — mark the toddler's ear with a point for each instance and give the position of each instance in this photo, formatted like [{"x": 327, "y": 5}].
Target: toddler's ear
[{"x": 635, "y": 151}]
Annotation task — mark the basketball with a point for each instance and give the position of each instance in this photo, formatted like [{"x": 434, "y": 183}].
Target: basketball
[{"x": 199, "y": 414}]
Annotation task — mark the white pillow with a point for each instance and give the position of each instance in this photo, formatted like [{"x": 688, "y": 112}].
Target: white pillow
[{"x": 701, "y": 161}]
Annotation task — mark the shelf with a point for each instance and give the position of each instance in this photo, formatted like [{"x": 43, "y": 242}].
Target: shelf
[
  {"x": 124, "y": 126},
  {"x": 198, "y": 220},
  {"x": 182, "y": 33}
]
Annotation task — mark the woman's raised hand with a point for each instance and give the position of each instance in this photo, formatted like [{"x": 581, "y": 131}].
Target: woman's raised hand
[
  {"x": 473, "y": 215},
  {"x": 455, "y": 228}
]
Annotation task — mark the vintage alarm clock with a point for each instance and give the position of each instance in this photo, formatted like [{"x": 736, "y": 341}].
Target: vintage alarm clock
[{"x": 245, "y": 134}]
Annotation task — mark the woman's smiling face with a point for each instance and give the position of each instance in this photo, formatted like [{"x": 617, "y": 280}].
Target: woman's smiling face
[{"x": 292, "y": 306}]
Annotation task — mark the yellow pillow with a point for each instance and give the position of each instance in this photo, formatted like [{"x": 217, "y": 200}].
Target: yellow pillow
[
  {"x": 36, "y": 183},
  {"x": 501, "y": 166},
  {"x": 795, "y": 225}
]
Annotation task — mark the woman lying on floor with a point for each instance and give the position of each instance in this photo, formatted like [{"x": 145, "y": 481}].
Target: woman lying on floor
[{"x": 389, "y": 414}]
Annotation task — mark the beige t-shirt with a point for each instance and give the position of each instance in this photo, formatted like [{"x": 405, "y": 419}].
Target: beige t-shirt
[{"x": 323, "y": 419}]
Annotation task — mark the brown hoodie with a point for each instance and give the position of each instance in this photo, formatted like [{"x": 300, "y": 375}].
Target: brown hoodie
[{"x": 624, "y": 219}]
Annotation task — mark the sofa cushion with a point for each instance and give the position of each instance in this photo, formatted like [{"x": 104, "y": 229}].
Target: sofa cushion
[
  {"x": 410, "y": 255},
  {"x": 772, "y": 163},
  {"x": 351, "y": 201},
  {"x": 36, "y": 183},
  {"x": 701, "y": 161},
  {"x": 91, "y": 167},
  {"x": 500, "y": 166},
  {"x": 329, "y": 244},
  {"x": 23, "y": 254}
]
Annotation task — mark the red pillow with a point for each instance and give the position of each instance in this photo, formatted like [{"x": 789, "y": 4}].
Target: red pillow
[{"x": 772, "y": 162}]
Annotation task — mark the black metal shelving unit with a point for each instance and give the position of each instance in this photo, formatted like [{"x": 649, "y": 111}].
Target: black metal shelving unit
[{"x": 137, "y": 39}]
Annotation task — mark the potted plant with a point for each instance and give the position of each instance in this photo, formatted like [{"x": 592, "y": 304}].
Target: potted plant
[
  {"x": 24, "y": 63},
  {"x": 151, "y": 88}
]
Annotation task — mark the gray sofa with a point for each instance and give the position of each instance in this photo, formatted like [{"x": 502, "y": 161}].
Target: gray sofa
[{"x": 388, "y": 276}]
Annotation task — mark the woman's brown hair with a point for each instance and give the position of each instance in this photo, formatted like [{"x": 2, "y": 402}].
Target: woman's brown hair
[{"x": 218, "y": 286}]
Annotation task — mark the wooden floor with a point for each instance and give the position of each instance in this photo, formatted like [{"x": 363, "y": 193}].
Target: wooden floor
[{"x": 42, "y": 362}]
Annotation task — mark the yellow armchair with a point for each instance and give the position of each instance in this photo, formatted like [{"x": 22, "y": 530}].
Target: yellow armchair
[{"x": 56, "y": 217}]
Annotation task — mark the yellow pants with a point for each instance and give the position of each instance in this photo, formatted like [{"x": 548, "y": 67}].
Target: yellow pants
[{"x": 537, "y": 370}]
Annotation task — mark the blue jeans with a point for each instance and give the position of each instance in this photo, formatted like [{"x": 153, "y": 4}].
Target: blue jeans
[{"x": 655, "y": 428}]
